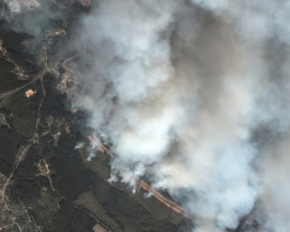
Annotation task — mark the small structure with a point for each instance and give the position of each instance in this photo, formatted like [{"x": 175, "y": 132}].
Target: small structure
[{"x": 30, "y": 93}]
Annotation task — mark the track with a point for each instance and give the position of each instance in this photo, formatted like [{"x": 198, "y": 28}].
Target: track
[{"x": 144, "y": 185}]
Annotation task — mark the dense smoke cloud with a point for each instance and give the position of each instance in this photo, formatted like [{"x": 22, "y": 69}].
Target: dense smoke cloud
[
  {"x": 194, "y": 95},
  {"x": 33, "y": 17}
]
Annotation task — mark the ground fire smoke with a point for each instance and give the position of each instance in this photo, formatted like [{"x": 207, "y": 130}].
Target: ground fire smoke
[{"x": 194, "y": 95}]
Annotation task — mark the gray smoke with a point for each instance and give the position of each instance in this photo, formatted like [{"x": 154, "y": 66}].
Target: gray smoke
[
  {"x": 33, "y": 17},
  {"x": 194, "y": 94}
]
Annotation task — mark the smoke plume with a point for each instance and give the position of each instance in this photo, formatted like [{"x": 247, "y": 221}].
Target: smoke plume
[{"x": 194, "y": 96}]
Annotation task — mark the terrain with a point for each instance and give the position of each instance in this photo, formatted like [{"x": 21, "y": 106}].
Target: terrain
[{"x": 46, "y": 183}]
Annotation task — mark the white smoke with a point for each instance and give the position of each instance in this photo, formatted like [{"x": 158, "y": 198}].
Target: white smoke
[{"x": 191, "y": 93}]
